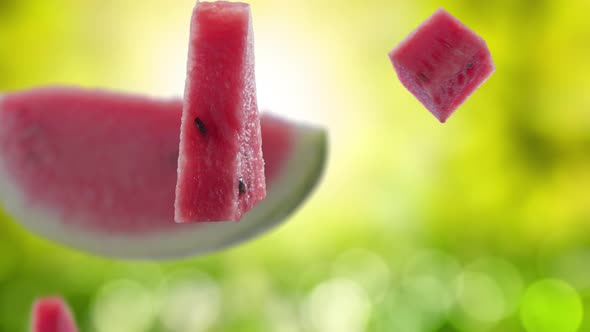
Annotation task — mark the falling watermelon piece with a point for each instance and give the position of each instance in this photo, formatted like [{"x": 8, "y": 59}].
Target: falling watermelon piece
[
  {"x": 442, "y": 63},
  {"x": 51, "y": 314},
  {"x": 220, "y": 167},
  {"x": 96, "y": 171}
]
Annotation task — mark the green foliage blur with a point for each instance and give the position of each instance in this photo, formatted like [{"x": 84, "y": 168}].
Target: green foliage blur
[{"x": 480, "y": 224}]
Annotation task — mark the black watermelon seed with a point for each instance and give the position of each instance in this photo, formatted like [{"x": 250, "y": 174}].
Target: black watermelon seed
[
  {"x": 469, "y": 66},
  {"x": 423, "y": 77},
  {"x": 201, "y": 126},
  {"x": 241, "y": 187}
]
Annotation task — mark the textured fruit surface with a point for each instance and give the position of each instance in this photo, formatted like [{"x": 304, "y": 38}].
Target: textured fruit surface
[
  {"x": 220, "y": 168},
  {"x": 52, "y": 314},
  {"x": 442, "y": 63},
  {"x": 96, "y": 170}
]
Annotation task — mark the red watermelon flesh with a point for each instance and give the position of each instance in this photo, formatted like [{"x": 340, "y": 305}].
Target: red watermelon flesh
[
  {"x": 52, "y": 315},
  {"x": 220, "y": 168},
  {"x": 93, "y": 156},
  {"x": 442, "y": 63},
  {"x": 96, "y": 170},
  {"x": 277, "y": 142},
  {"x": 134, "y": 138}
]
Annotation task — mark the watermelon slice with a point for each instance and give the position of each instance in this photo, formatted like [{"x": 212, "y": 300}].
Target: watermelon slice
[
  {"x": 52, "y": 314},
  {"x": 442, "y": 63},
  {"x": 220, "y": 167},
  {"x": 96, "y": 171}
]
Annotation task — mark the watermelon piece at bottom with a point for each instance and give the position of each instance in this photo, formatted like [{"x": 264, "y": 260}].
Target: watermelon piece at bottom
[
  {"x": 96, "y": 171},
  {"x": 442, "y": 63},
  {"x": 52, "y": 314},
  {"x": 220, "y": 167}
]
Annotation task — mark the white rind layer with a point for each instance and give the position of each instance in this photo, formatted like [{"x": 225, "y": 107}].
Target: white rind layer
[{"x": 300, "y": 174}]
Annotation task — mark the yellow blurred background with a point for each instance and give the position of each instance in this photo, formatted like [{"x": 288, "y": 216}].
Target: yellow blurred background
[{"x": 480, "y": 224}]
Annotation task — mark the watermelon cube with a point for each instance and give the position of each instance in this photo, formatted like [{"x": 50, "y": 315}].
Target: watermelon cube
[
  {"x": 220, "y": 168},
  {"x": 52, "y": 314},
  {"x": 442, "y": 63}
]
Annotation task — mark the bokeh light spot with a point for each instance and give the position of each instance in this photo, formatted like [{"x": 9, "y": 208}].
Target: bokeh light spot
[
  {"x": 507, "y": 277},
  {"x": 281, "y": 314},
  {"x": 123, "y": 306},
  {"x": 551, "y": 305},
  {"x": 337, "y": 305},
  {"x": 405, "y": 318},
  {"x": 365, "y": 268},
  {"x": 191, "y": 301},
  {"x": 430, "y": 295},
  {"x": 480, "y": 297}
]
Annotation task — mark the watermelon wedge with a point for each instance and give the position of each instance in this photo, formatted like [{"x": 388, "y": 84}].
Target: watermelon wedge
[
  {"x": 220, "y": 167},
  {"x": 442, "y": 63},
  {"x": 96, "y": 171},
  {"x": 51, "y": 314}
]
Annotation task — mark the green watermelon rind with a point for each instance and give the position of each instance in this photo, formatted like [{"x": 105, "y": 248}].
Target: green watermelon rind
[{"x": 300, "y": 174}]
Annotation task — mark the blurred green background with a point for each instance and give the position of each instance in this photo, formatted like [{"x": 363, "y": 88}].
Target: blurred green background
[{"x": 481, "y": 224}]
